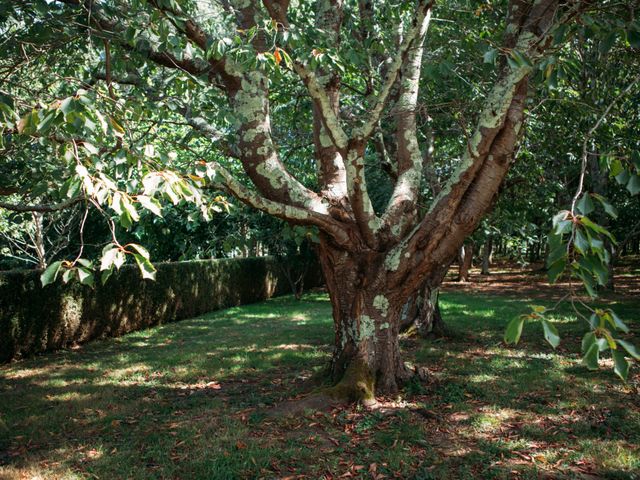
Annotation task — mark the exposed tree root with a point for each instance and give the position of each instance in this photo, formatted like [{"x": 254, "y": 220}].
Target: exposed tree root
[
  {"x": 317, "y": 401},
  {"x": 356, "y": 386}
]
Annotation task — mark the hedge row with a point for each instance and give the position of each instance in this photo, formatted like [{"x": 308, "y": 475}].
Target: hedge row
[{"x": 34, "y": 319}]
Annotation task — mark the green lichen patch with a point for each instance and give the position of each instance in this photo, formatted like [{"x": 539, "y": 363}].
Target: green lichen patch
[{"x": 381, "y": 303}]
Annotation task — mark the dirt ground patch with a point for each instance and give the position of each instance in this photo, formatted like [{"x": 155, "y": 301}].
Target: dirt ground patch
[{"x": 531, "y": 281}]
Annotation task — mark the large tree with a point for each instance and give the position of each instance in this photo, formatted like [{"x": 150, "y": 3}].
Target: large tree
[{"x": 359, "y": 65}]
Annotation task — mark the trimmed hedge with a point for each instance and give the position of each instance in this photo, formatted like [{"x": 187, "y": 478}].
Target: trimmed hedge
[{"x": 34, "y": 319}]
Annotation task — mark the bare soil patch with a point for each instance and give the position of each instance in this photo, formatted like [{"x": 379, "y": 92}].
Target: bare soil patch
[{"x": 531, "y": 281}]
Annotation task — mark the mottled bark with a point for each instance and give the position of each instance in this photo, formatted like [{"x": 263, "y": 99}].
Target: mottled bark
[
  {"x": 421, "y": 314},
  {"x": 366, "y": 316}
]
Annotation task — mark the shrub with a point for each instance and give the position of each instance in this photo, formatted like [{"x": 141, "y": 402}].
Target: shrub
[{"x": 34, "y": 319}]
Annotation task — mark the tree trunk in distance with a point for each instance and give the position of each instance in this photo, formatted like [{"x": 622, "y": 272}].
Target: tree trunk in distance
[
  {"x": 421, "y": 314},
  {"x": 465, "y": 262},
  {"x": 487, "y": 253}
]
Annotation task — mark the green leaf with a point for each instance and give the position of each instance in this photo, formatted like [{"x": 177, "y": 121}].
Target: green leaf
[
  {"x": 552, "y": 80},
  {"x": 50, "y": 274},
  {"x": 617, "y": 322},
  {"x": 514, "y": 330},
  {"x": 147, "y": 270},
  {"x": 585, "y": 204},
  {"x": 603, "y": 344},
  {"x": 66, "y": 276},
  {"x": 596, "y": 228},
  {"x": 557, "y": 249},
  {"x": 634, "y": 185},
  {"x": 513, "y": 63},
  {"x": 620, "y": 364},
  {"x": 46, "y": 122},
  {"x": 85, "y": 263},
  {"x": 108, "y": 258},
  {"x": 560, "y": 34},
  {"x": 490, "y": 56},
  {"x": 610, "y": 209},
  {"x": 66, "y": 106},
  {"x": 126, "y": 220},
  {"x": 588, "y": 340},
  {"x": 623, "y": 177},
  {"x": 592, "y": 357},
  {"x": 85, "y": 276},
  {"x": 633, "y": 37},
  {"x": 119, "y": 131},
  {"x": 551, "y": 334},
  {"x": 581, "y": 242},
  {"x": 130, "y": 209},
  {"x": 521, "y": 60},
  {"x": 143, "y": 252},
  {"x": 616, "y": 167},
  {"x": 608, "y": 42},
  {"x": 116, "y": 203},
  {"x": 105, "y": 275},
  {"x": 630, "y": 348},
  {"x": 561, "y": 222},
  {"x": 185, "y": 189},
  {"x": 90, "y": 148},
  {"x": 556, "y": 270},
  {"x": 112, "y": 257},
  {"x": 587, "y": 282},
  {"x": 150, "y": 204}
]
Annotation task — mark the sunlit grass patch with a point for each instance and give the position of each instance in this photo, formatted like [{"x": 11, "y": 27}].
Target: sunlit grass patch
[{"x": 190, "y": 400}]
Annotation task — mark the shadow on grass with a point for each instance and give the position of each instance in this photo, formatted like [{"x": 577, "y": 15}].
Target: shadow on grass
[{"x": 185, "y": 401}]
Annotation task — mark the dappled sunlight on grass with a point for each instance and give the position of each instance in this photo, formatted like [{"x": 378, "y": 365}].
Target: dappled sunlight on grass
[
  {"x": 190, "y": 400},
  {"x": 529, "y": 408}
]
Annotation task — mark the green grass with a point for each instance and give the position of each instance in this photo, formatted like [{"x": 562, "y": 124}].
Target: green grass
[{"x": 192, "y": 400}]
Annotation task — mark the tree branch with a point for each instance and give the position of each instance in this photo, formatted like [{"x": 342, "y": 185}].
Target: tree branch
[
  {"x": 198, "y": 36},
  {"x": 112, "y": 29},
  {"x": 323, "y": 103},
  {"x": 290, "y": 213},
  {"x": 410, "y": 160},
  {"x": 468, "y": 194},
  {"x": 333, "y": 181},
  {"x": 23, "y": 207},
  {"x": 414, "y": 39}
]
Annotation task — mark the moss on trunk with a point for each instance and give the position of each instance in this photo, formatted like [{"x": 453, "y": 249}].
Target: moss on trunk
[{"x": 356, "y": 385}]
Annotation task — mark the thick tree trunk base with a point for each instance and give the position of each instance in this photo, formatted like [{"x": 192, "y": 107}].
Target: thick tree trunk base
[{"x": 356, "y": 385}]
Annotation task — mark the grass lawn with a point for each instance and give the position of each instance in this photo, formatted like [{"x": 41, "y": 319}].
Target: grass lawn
[{"x": 193, "y": 400}]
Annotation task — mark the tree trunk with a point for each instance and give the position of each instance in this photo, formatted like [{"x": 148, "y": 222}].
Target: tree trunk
[
  {"x": 367, "y": 314},
  {"x": 421, "y": 314},
  {"x": 38, "y": 240},
  {"x": 610, "y": 286},
  {"x": 465, "y": 260},
  {"x": 487, "y": 253}
]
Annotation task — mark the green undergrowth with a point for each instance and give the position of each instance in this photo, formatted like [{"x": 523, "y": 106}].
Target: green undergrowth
[{"x": 193, "y": 400}]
